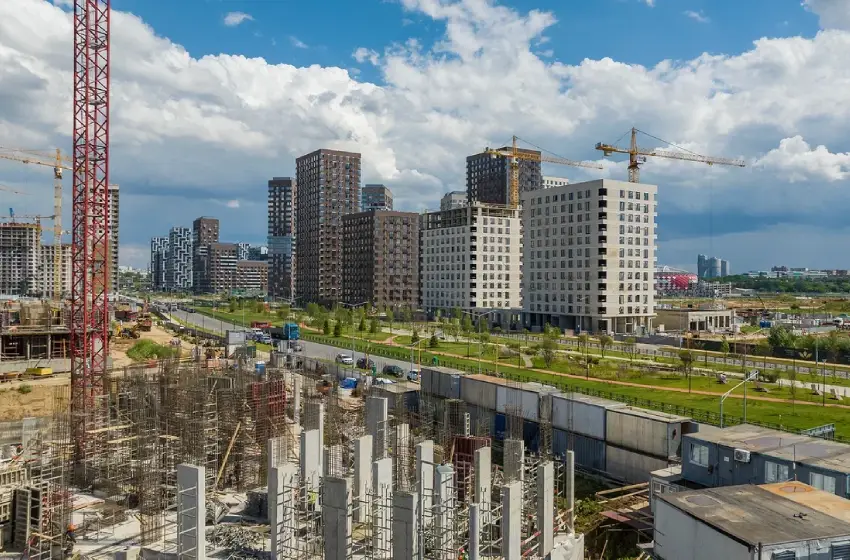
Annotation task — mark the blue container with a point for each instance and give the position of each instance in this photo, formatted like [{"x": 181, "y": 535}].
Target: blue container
[
  {"x": 531, "y": 435},
  {"x": 589, "y": 453},
  {"x": 500, "y": 426},
  {"x": 260, "y": 368}
]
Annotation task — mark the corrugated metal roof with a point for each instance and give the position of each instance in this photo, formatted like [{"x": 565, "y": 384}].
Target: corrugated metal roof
[
  {"x": 825, "y": 502},
  {"x": 653, "y": 414},
  {"x": 753, "y": 515}
]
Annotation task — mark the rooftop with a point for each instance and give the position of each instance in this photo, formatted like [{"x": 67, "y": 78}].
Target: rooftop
[
  {"x": 588, "y": 399},
  {"x": 653, "y": 414},
  {"x": 825, "y": 502},
  {"x": 747, "y": 436},
  {"x": 742, "y": 511}
]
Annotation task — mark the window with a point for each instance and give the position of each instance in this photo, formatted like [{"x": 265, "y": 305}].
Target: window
[
  {"x": 784, "y": 555},
  {"x": 698, "y": 453},
  {"x": 840, "y": 551},
  {"x": 774, "y": 472},
  {"x": 822, "y": 482}
]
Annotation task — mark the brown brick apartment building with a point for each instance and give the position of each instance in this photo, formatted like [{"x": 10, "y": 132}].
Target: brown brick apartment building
[
  {"x": 381, "y": 258},
  {"x": 328, "y": 189}
]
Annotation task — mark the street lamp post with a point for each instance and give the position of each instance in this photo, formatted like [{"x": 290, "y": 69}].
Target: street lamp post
[{"x": 729, "y": 392}]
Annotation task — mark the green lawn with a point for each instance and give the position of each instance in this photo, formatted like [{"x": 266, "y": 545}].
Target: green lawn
[{"x": 787, "y": 414}]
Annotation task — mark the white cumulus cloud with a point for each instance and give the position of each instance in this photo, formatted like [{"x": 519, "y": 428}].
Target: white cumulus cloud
[
  {"x": 833, "y": 14},
  {"x": 797, "y": 161},
  {"x": 697, "y": 16}
]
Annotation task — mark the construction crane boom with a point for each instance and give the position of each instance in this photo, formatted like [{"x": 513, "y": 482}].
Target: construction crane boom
[
  {"x": 514, "y": 155},
  {"x": 638, "y": 156},
  {"x": 59, "y": 163}
]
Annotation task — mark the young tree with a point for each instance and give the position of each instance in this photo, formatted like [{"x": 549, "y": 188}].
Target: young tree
[
  {"x": 515, "y": 346},
  {"x": 260, "y": 307},
  {"x": 605, "y": 341},
  {"x": 466, "y": 324},
  {"x": 390, "y": 317},
  {"x": 326, "y": 327},
  {"x": 283, "y": 312},
  {"x": 414, "y": 337},
  {"x": 583, "y": 341},
  {"x": 630, "y": 348},
  {"x": 231, "y": 305},
  {"x": 337, "y": 329},
  {"x": 526, "y": 332},
  {"x": 433, "y": 342},
  {"x": 362, "y": 326},
  {"x": 373, "y": 326},
  {"x": 456, "y": 313},
  {"x": 687, "y": 359},
  {"x": 724, "y": 347},
  {"x": 547, "y": 350}
]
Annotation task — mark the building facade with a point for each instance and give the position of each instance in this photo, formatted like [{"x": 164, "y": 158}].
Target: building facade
[
  {"x": 178, "y": 261},
  {"x": 381, "y": 258},
  {"x": 114, "y": 228},
  {"x": 452, "y": 200},
  {"x": 376, "y": 197},
  {"x": 20, "y": 259},
  {"x": 549, "y": 182},
  {"x": 590, "y": 256},
  {"x": 471, "y": 258},
  {"x": 328, "y": 189},
  {"x": 712, "y": 267},
  {"x": 258, "y": 253},
  {"x": 242, "y": 251},
  {"x": 204, "y": 231},
  {"x": 159, "y": 254},
  {"x": 281, "y": 237},
  {"x": 251, "y": 276},
  {"x": 47, "y": 285},
  {"x": 222, "y": 266},
  {"x": 488, "y": 177}
]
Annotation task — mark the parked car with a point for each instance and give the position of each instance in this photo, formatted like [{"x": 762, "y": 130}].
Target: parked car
[
  {"x": 344, "y": 359},
  {"x": 365, "y": 363},
  {"x": 413, "y": 375},
  {"x": 393, "y": 370}
]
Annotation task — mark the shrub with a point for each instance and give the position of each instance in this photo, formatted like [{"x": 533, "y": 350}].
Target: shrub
[
  {"x": 149, "y": 350},
  {"x": 25, "y": 389}
]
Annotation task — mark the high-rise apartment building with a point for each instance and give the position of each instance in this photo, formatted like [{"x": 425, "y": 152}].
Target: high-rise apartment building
[
  {"x": 178, "y": 261},
  {"x": 114, "y": 227},
  {"x": 589, "y": 256},
  {"x": 260, "y": 253},
  {"x": 452, "y": 200},
  {"x": 281, "y": 232},
  {"x": 376, "y": 197},
  {"x": 712, "y": 267},
  {"x": 328, "y": 189},
  {"x": 251, "y": 276},
  {"x": 222, "y": 259},
  {"x": 47, "y": 284},
  {"x": 242, "y": 251},
  {"x": 159, "y": 254},
  {"x": 380, "y": 257},
  {"x": 488, "y": 177},
  {"x": 20, "y": 259},
  {"x": 470, "y": 258},
  {"x": 549, "y": 182},
  {"x": 204, "y": 231}
]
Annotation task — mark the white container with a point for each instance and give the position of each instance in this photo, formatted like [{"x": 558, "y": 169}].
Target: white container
[
  {"x": 582, "y": 414},
  {"x": 645, "y": 431},
  {"x": 478, "y": 392},
  {"x": 629, "y": 466}
]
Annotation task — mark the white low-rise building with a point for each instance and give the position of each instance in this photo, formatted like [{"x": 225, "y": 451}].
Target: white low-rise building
[
  {"x": 590, "y": 254},
  {"x": 471, "y": 258}
]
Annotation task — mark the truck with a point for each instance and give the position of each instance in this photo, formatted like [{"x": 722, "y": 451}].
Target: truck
[
  {"x": 262, "y": 325},
  {"x": 289, "y": 331}
]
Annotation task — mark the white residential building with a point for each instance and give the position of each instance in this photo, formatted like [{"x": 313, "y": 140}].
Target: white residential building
[
  {"x": 590, "y": 253},
  {"x": 47, "y": 285},
  {"x": 549, "y": 182},
  {"x": 471, "y": 258}
]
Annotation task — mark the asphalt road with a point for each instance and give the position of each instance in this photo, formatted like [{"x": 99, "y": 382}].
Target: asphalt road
[{"x": 311, "y": 349}]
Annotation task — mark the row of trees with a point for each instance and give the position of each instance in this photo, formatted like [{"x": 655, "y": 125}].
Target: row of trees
[{"x": 792, "y": 285}]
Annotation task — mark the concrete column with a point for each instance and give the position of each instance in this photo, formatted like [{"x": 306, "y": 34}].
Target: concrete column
[
  {"x": 282, "y": 507},
  {"x": 332, "y": 461},
  {"x": 546, "y": 509},
  {"x": 311, "y": 459},
  {"x": 296, "y": 399},
  {"x": 483, "y": 476},
  {"x": 444, "y": 511},
  {"x": 377, "y": 410},
  {"x": 512, "y": 520},
  {"x": 336, "y": 517},
  {"x": 277, "y": 452},
  {"x": 425, "y": 476},
  {"x": 382, "y": 490},
  {"x": 514, "y": 459},
  {"x": 476, "y": 520},
  {"x": 362, "y": 474},
  {"x": 570, "y": 490},
  {"x": 401, "y": 458},
  {"x": 314, "y": 417},
  {"x": 406, "y": 519},
  {"x": 191, "y": 512}
]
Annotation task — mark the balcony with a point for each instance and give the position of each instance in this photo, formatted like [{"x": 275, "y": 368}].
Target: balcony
[
  {"x": 603, "y": 215},
  {"x": 601, "y": 252},
  {"x": 602, "y": 275},
  {"x": 603, "y": 204},
  {"x": 602, "y": 310},
  {"x": 603, "y": 228},
  {"x": 603, "y": 192},
  {"x": 602, "y": 299},
  {"x": 602, "y": 286},
  {"x": 603, "y": 239},
  {"x": 601, "y": 263}
]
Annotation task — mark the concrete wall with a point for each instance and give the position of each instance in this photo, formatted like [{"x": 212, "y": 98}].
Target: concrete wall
[{"x": 681, "y": 537}]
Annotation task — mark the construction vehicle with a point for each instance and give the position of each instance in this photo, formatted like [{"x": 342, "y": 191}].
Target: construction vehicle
[
  {"x": 38, "y": 372},
  {"x": 637, "y": 156},
  {"x": 514, "y": 154}
]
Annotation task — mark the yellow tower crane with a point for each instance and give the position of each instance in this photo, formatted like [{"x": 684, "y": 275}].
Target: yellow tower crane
[
  {"x": 59, "y": 163},
  {"x": 637, "y": 156},
  {"x": 515, "y": 154}
]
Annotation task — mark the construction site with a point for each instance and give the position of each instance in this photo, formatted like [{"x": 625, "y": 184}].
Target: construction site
[{"x": 186, "y": 461}]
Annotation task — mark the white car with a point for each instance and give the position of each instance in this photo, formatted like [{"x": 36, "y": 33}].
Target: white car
[{"x": 344, "y": 359}]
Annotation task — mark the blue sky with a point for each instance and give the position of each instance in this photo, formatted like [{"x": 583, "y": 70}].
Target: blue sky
[{"x": 200, "y": 133}]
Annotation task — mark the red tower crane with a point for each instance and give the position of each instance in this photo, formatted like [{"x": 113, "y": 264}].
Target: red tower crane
[{"x": 90, "y": 231}]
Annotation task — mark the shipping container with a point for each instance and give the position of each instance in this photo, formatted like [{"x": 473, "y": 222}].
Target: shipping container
[
  {"x": 629, "y": 466},
  {"x": 500, "y": 426},
  {"x": 581, "y": 414},
  {"x": 589, "y": 453},
  {"x": 449, "y": 385},
  {"x": 531, "y": 436},
  {"x": 645, "y": 431},
  {"x": 477, "y": 391},
  {"x": 426, "y": 382},
  {"x": 480, "y": 420}
]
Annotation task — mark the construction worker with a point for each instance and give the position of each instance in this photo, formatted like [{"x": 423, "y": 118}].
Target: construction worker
[
  {"x": 70, "y": 533},
  {"x": 312, "y": 498}
]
